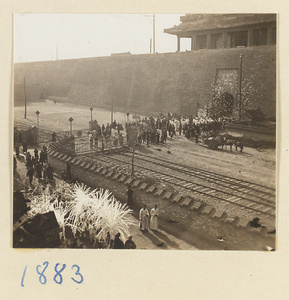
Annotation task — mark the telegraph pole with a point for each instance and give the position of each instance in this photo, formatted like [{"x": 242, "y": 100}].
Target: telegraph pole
[
  {"x": 240, "y": 89},
  {"x": 91, "y": 109},
  {"x": 37, "y": 114},
  {"x": 70, "y": 120},
  {"x": 154, "y": 33},
  {"x": 111, "y": 103},
  {"x": 25, "y": 98}
]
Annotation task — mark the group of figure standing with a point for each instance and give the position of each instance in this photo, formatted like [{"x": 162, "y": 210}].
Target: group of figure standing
[
  {"x": 149, "y": 219},
  {"x": 37, "y": 165},
  {"x": 101, "y": 135},
  {"x": 155, "y": 130}
]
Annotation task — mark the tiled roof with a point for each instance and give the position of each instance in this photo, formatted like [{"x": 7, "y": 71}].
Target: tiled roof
[{"x": 192, "y": 23}]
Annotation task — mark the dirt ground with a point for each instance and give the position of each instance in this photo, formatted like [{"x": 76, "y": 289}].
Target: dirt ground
[
  {"x": 256, "y": 166},
  {"x": 253, "y": 165}
]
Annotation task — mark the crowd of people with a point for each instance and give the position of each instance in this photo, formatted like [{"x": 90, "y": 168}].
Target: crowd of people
[
  {"x": 37, "y": 165},
  {"x": 155, "y": 130},
  {"x": 101, "y": 134}
]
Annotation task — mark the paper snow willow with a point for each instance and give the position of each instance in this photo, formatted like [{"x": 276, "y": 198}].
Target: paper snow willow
[{"x": 84, "y": 210}]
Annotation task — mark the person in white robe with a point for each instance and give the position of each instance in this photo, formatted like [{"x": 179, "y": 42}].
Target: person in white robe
[
  {"x": 144, "y": 218},
  {"x": 154, "y": 224}
]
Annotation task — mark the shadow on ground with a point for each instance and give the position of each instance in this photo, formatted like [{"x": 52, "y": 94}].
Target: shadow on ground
[
  {"x": 154, "y": 240},
  {"x": 166, "y": 239},
  {"x": 144, "y": 150}
]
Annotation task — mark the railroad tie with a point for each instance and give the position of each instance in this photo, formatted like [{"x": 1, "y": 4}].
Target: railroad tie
[
  {"x": 209, "y": 209},
  {"x": 220, "y": 214},
  {"x": 116, "y": 176},
  {"x": 136, "y": 183},
  {"x": 159, "y": 192},
  {"x": 109, "y": 174},
  {"x": 151, "y": 189},
  {"x": 129, "y": 181},
  {"x": 168, "y": 195},
  {"x": 122, "y": 178},
  {"x": 186, "y": 202},
  {"x": 197, "y": 206},
  {"x": 178, "y": 198},
  {"x": 93, "y": 167},
  {"x": 143, "y": 186}
]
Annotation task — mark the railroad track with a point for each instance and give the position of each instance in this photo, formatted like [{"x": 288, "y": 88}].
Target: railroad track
[{"x": 214, "y": 186}]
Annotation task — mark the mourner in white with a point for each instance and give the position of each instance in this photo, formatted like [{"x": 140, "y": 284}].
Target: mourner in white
[
  {"x": 144, "y": 218},
  {"x": 154, "y": 224}
]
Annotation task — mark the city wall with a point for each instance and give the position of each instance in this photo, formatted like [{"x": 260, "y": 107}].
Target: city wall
[{"x": 176, "y": 82}]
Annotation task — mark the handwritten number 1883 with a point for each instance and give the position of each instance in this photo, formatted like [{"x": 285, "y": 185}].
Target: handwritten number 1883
[{"x": 58, "y": 278}]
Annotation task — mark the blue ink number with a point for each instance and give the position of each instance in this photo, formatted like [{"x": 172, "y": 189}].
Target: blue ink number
[
  {"x": 42, "y": 277},
  {"x": 58, "y": 273},
  {"x": 77, "y": 273},
  {"x": 23, "y": 276}
]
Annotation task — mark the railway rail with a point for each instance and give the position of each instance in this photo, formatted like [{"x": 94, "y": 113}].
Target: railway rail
[
  {"x": 211, "y": 185},
  {"x": 244, "y": 194}
]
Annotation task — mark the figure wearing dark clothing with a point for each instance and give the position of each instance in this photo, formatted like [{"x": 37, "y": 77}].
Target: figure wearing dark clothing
[
  {"x": 36, "y": 153},
  {"x": 42, "y": 157},
  {"x": 68, "y": 171},
  {"x": 38, "y": 170},
  {"x": 14, "y": 164},
  {"x": 49, "y": 172},
  {"x": 129, "y": 244},
  {"x": 45, "y": 156},
  {"x": 118, "y": 243},
  {"x": 255, "y": 223},
  {"x": 33, "y": 161},
  {"x": 24, "y": 145},
  {"x": 130, "y": 197},
  {"x": 30, "y": 174},
  {"x": 53, "y": 137},
  {"x": 28, "y": 156},
  {"x": 17, "y": 151},
  {"x": 28, "y": 161}
]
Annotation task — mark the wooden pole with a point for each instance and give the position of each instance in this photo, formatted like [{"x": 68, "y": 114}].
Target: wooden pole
[
  {"x": 111, "y": 103},
  {"x": 132, "y": 161},
  {"x": 240, "y": 89},
  {"x": 154, "y": 33},
  {"x": 25, "y": 99},
  {"x": 91, "y": 109}
]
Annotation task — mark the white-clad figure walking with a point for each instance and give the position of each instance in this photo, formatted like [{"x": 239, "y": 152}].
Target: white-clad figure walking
[
  {"x": 154, "y": 224},
  {"x": 144, "y": 218}
]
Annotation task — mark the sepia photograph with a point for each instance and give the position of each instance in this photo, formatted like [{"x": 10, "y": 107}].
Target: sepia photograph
[{"x": 144, "y": 131}]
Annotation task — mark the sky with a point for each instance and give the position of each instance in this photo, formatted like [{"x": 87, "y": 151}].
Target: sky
[{"x": 41, "y": 37}]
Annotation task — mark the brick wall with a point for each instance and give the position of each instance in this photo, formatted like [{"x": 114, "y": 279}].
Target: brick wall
[{"x": 152, "y": 83}]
